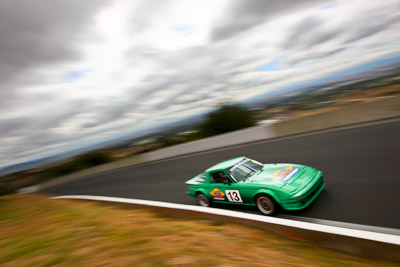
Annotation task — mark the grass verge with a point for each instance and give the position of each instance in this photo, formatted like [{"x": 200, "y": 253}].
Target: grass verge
[{"x": 37, "y": 231}]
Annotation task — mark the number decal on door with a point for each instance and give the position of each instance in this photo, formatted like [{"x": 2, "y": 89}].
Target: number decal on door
[{"x": 233, "y": 195}]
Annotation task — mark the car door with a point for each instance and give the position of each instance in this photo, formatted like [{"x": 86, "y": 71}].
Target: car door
[{"x": 223, "y": 189}]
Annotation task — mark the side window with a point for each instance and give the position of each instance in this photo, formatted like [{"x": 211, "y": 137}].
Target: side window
[{"x": 219, "y": 178}]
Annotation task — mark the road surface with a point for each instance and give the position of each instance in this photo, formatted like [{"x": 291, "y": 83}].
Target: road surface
[{"x": 361, "y": 167}]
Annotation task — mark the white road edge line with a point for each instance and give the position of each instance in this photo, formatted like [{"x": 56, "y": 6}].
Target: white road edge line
[{"x": 380, "y": 237}]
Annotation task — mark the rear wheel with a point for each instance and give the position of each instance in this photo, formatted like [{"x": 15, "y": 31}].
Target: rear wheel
[
  {"x": 266, "y": 205},
  {"x": 203, "y": 200}
]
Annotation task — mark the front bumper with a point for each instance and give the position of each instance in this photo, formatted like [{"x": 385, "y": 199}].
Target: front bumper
[{"x": 308, "y": 195}]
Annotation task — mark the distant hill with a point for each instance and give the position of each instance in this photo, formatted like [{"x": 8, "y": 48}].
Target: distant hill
[
  {"x": 174, "y": 127},
  {"x": 26, "y": 165}
]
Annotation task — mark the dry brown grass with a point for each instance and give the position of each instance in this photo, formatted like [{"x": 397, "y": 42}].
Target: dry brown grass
[
  {"x": 37, "y": 231},
  {"x": 354, "y": 98}
]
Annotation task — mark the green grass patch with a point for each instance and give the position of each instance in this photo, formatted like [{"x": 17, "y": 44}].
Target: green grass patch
[{"x": 37, "y": 231}]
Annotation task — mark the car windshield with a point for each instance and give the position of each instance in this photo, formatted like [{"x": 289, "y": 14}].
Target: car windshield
[{"x": 244, "y": 169}]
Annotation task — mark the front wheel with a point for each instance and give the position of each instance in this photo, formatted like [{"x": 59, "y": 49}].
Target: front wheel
[
  {"x": 203, "y": 200},
  {"x": 266, "y": 205}
]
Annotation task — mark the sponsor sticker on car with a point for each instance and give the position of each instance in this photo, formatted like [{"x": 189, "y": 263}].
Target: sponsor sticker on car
[
  {"x": 217, "y": 194},
  {"x": 285, "y": 174}
]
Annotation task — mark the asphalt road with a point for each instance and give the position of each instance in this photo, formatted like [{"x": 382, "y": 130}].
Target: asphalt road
[{"x": 360, "y": 166}]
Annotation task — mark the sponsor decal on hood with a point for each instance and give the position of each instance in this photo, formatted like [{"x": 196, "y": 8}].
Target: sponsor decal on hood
[{"x": 285, "y": 174}]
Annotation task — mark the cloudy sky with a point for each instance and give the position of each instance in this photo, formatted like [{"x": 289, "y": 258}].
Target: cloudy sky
[{"x": 73, "y": 73}]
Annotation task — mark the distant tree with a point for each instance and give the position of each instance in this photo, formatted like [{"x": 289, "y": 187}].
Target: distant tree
[
  {"x": 227, "y": 118},
  {"x": 92, "y": 158},
  {"x": 63, "y": 169},
  {"x": 79, "y": 162}
]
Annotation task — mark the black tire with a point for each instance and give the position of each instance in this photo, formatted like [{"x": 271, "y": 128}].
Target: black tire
[
  {"x": 203, "y": 200},
  {"x": 266, "y": 205}
]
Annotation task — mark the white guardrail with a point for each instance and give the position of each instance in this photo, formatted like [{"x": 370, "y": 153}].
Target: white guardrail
[{"x": 352, "y": 241}]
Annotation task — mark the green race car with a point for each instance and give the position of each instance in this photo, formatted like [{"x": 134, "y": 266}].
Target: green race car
[{"x": 248, "y": 182}]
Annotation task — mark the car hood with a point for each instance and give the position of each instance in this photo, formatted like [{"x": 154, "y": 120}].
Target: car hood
[{"x": 292, "y": 176}]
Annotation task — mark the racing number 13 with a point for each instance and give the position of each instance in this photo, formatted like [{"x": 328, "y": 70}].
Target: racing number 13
[{"x": 233, "y": 195}]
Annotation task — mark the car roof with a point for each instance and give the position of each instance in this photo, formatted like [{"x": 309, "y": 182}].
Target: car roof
[{"x": 225, "y": 164}]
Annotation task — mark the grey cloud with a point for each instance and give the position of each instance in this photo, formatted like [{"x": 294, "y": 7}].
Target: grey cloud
[
  {"x": 109, "y": 114},
  {"x": 141, "y": 93},
  {"x": 112, "y": 110},
  {"x": 373, "y": 25},
  {"x": 175, "y": 100},
  {"x": 36, "y": 33},
  {"x": 43, "y": 121},
  {"x": 244, "y": 15},
  {"x": 25, "y": 99},
  {"x": 9, "y": 126},
  {"x": 308, "y": 33},
  {"x": 313, "y": 56},
  {"x": 196, "y": 69},
  {"x": 313, "y": 31},
  {"x": 90, "y": 124},
  {"x": 199, "y": 67},
  {"x": 145, "y": 12}
]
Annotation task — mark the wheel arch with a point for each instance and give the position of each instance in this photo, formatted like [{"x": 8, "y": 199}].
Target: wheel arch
[
  {"x": 265, "y": 192},
  {"x": 203, "y": 191}
]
